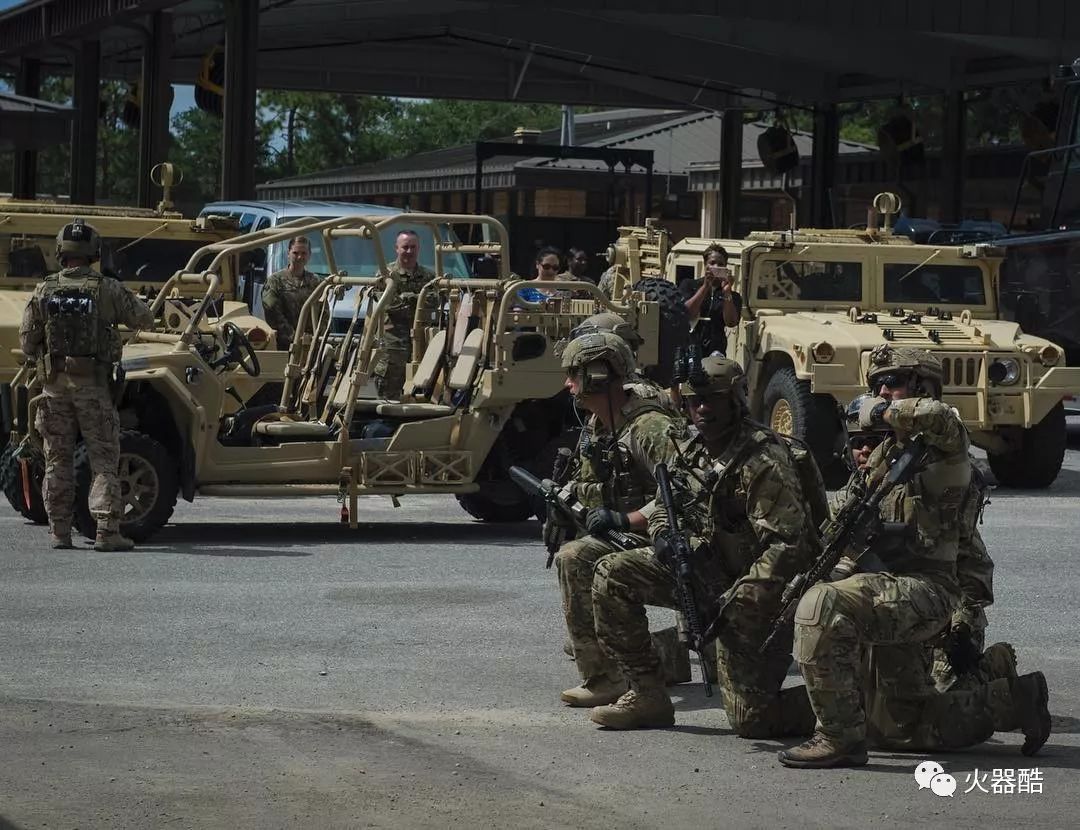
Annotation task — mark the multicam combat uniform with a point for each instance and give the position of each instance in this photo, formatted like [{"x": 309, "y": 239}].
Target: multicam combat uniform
[
  {"x": 396, "y": 343},
  {"x": 283, "y": 297},
  {"x": 69, "y": 327},
  {"x": 898, "y": 611},
  {"x": 748, "y": 526},
  {"x": 643, "y": 440}
]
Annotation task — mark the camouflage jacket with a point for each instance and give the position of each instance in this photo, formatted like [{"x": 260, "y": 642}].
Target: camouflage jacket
[
  {"x": 590, "y": 479},
  {"x": 397, "y": 331},
  {"x": 922, "y": 518},
  {"x": 642, "y": 440},
  {"x": 283, "y": 297},
  {"x": 117, "y": 306},
  {"x": 743, "y": 510}
]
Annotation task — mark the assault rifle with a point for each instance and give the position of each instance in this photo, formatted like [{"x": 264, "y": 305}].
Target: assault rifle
[
  {"x": 569, "y": 513},
  {"x": 684, "y": 570},
  {"x": 854, "y": 527}
]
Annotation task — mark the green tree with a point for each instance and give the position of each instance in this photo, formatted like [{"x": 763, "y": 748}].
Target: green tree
[{"x": 429, "y": 125}]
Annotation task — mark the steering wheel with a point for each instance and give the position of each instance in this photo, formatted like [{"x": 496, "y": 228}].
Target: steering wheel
[{"x": 238, "y": 348}]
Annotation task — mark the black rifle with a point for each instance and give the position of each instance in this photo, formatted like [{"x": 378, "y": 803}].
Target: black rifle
[
  {"x": 560, "y": 474},
  {"x": 684, "y": 570},
  {"x": 854, "y": 527},
  {"x": 570, "y": 514}
]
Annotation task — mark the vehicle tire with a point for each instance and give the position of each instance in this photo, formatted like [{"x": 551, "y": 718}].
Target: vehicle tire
[
  {"x": 674, "y": 326},
  {"x": 148, "y": 487},
  {"x": 11, "y": 479},
  {"x": 486, "y": 506},
  {"x": 789, "y": 407},
  {"x": 1036, "y": 461}
]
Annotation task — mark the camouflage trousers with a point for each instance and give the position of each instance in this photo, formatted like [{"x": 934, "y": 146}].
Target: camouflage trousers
[
  {"x": 888, "y": 620},
  {"x": 906, "y": 712},
  {"x": 574, "y": 564},
  {"x": 65, "y": 411},
  {"x": 627, "y": 581},
  {"x": 389, "y": 373}
]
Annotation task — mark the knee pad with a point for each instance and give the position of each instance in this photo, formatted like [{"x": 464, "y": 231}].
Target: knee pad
[{"x": 812, "y": 618}]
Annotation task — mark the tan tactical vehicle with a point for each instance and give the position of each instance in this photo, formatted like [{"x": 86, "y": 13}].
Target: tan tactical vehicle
[
  {"x": 816, "y": 302},
  {"x": 484, "y": 390}
]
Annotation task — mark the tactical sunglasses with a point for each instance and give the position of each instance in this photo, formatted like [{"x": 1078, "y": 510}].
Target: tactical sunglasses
[
  {"x": 891, "y": 381},
  {"x": 857, "y": 442}
]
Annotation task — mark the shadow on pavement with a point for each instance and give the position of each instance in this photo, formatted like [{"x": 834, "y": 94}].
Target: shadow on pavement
[
  {"x": 279, "y": 535},
  {"x": 7, "y": 825}
]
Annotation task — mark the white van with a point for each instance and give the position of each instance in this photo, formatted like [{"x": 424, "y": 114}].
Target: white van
[{"x": 351, "y": 254}]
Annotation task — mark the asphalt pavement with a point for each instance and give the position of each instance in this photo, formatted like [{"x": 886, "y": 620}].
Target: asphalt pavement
[{"x": 260, "y": 665}]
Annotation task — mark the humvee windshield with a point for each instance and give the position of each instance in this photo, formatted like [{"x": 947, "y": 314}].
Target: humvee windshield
[
  {"x": 817, "y": 281},
  {"x": 934, "y": 284}
]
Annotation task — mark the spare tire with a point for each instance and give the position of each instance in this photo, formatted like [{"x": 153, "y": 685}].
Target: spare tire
[{"x": 674, "y": 326}]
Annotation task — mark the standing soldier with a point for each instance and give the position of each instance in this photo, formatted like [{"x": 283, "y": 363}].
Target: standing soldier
[
  {"x": 750, "y": 529},
  {"x": 904, "y": 597},
  {"x": 69, "y": 328},
  {"x": 630, "y": 436},
  {"x": 287, "y": 290},
  {"x": 396, "y": 345}
]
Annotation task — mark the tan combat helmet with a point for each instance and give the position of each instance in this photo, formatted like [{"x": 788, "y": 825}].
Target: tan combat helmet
[
  {"x": 78, "y": 239},
  {"x": 609, "y": 321},
  {"x": 602, "y": 355},
  {"x": 886, "y": 359}
]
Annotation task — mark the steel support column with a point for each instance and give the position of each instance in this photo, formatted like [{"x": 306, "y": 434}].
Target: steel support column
[
  {"x": 156, "y": 98},
  {"x": 953, "y": 156},
  {"x": 238, "y": 135},
  {"x": 87, "y": 100},
  {"x": 731, "y": 150},
  {"x": 24, "y": 162},
  {"x": 826, "y": 149}
]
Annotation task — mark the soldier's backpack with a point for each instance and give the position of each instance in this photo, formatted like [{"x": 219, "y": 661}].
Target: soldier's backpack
[{"x": 72, "y": 316}]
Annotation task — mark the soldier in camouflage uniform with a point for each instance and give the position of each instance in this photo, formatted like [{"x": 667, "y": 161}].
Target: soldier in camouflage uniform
[
  {"x": 629, "y": 437},
  {"x": 744, "y": 509},
  {"x": 899, "y": 610},
  {"x": 287, "y": 290},
  {"x": 395, "y": 346},
  {"x": 69, "y": 329},
  {"x": 674, "y": 656}
]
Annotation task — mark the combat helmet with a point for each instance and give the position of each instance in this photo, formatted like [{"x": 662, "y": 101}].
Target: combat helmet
[
  {"x": 609, "y": 321},
  {"x": 886, "y": 359},
  {"x": 856, "y": 435},
  {"x": 715, "y": 376},
  {"x": 77, "y": 239},
  {"x": 599, "y": 347}
]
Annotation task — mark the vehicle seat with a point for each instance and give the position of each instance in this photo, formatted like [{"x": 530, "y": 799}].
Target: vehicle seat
[
  {"x": 461, "y": 378},
  {"x": 294, "y": 430}
]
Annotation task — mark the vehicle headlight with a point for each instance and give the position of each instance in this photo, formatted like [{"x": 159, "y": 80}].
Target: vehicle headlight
[
  {"x": 1049, "y": 355},
  {"x": 823, "y": 352},
  {"x": 1004, "y": 371}
]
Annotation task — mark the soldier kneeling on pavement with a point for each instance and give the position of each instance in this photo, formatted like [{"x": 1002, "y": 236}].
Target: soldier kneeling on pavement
[
  {"x": 742, "y": 502},
  {"x": 69, "y": 330},
  {"x": 903, "y": 596}
]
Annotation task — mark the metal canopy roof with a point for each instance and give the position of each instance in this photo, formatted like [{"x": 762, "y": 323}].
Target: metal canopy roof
[
  {"x": 708, "y": 54},
  {"x": 32, "y": 124}
]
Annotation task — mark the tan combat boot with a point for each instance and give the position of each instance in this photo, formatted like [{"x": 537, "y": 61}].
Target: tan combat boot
[
  {"x": 595, "y": 691},
  {"x": 645, "y": 706},
  {"x": 997, "y": 661},
  {"x": 821, "y": 752},
  {"x": 1030, "y": 698},
  {"x": 60, "y": 540},
  {"x": 107, "y": 540}
]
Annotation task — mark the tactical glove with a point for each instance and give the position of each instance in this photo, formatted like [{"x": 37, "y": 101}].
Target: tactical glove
[
  {"x": 872, "y": 413},
  {"x": 961, "y": 648},
  {"x": 600, "y": 519}
]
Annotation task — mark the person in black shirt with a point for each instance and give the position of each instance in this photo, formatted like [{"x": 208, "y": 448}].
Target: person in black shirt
[{"x": 712, "y": 303}]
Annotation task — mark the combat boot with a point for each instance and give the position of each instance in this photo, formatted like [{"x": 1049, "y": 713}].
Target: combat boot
[
  {"x": 997, "y": 661},
  {"x": 61, "y": 541},
  {"x": 821, "y": 752},
  {"x": 645, "y": 706},
  {"x": 1030, "y": 698},
  {"x": 595, "y": 691},
  {"x": 108, "y": 540}
]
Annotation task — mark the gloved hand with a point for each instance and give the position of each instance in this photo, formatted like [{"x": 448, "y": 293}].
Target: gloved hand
[
  {"x": 872, "y": 413},
  {"x": 844, "y": 568},
  {"x": 600, "y": 519},
  {"x": 961, "y": 648}
]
